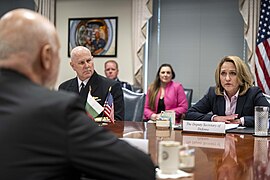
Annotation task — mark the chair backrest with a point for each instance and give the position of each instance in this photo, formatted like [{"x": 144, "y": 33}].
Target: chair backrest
[
  {"x": 267, "y": 97},
  {"x": 136, "y": 89},
  {"x": 189, "y": 93},
  {"x": 134, "y": 105}
]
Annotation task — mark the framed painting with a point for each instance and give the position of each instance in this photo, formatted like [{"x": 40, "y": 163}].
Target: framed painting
[{"x": 99, "y": 35}]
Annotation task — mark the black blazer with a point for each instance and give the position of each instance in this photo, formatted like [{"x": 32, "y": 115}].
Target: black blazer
[
  {"x": 212, "y": 104},
  {"x": 46, "y": 134},
  {"x": 99, "y": 87},
  {"x": 124, "y": 84}
]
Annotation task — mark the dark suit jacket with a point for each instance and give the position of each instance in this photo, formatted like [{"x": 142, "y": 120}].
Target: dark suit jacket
[
  {"x": 47, "y": 135},
  {"x": 99, "y": 89},
  {"x": 124, "y": 84},
  {"x": 216, "y": 104}
]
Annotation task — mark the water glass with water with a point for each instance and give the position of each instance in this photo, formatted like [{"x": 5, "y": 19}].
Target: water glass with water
[{"x": 261, "y": 120}]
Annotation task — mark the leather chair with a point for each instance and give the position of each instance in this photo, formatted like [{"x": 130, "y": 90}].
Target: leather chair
[
  {"x": 136, "y": 89},
  {"x": 189, "y": 93},
  {"x": 134, "y": 105},
  {"x": 267, "y": 97}
]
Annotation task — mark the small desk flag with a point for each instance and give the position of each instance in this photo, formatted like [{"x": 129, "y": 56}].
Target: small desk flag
[
  {"x": 108, "y": 107},
  {"x": 93, "y": 108}
]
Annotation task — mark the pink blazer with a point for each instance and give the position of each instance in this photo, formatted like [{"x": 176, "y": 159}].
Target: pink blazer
[{"x": 174, "y": 99}]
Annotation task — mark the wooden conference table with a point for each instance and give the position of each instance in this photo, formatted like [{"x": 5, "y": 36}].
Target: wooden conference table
[{"x": 230, "y": 156}]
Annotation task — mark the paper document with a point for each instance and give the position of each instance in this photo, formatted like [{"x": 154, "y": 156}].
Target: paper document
[
  {"x": 231, "y": 126},
  {"x": 141, "y": 144}
]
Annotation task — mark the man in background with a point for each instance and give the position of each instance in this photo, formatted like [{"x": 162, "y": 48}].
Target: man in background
[
  {"x": 87, "y": 80},
  {"x": 46, "y": 134},
  {"x": 111, "y": 71}
]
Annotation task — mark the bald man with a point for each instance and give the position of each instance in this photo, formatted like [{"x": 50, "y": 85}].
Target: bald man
[
  {"x": 46, "y": 134},
  {"x": 82, "y": 62}
]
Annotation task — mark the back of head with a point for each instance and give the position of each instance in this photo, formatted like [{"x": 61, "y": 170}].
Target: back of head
[
  {"x": 24, "y": 31},
  {"x": 28, "y": 42}
]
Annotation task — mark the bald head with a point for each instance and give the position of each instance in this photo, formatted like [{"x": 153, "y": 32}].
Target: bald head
[
  {"x": 24, "y": 31},
  {"x": 82, "y": 62},
  {"x": 77, "y": 51},
  {"x": 29, "y": 44}
]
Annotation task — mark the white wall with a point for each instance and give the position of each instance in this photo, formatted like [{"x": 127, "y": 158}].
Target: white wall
[
  {"x": 97, "y": 8},
  {"x": 194, "y": 36}
]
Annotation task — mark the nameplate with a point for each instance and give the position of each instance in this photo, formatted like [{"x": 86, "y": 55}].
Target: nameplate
[
  {"x": 204, "y": 126},
  {"x": 205, "y": 142}
]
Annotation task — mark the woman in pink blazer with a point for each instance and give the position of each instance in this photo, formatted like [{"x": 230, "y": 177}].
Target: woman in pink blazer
[{"x": 165, "y": 94}]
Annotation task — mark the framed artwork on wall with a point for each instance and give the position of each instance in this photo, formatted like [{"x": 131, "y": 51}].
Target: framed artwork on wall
[{"x": 98, "y": 34}]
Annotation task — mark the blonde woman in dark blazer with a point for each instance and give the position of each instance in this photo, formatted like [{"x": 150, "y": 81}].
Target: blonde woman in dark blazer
[{"x": 233, "y": 98}]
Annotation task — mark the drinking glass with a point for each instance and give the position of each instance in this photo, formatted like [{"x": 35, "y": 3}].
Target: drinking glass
[{"x": 261, "y": 120}]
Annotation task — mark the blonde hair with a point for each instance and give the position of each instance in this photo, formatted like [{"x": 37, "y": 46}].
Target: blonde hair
[
  {"x": 244, "y": 75},
  {"x": 112, "y": 61}
]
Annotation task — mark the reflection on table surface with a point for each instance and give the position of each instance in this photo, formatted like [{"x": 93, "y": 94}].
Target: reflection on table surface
[{"x": 230, "y": 156}]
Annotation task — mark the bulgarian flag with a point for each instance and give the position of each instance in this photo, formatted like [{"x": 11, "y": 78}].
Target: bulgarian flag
[{"x": 93, "y": 108}]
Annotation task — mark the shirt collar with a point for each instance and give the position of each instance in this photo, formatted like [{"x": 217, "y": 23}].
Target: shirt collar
[
  {"x": 234, "y": 96},
  {"x": 84, "y": 82}
]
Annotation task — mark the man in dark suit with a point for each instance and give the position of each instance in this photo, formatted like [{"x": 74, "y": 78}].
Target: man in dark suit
[
  {"x": 111, "y": 71},
  {"x": 83, "y": 64},
  {"x": 46, "y": 134}
]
